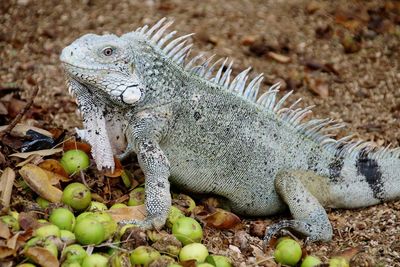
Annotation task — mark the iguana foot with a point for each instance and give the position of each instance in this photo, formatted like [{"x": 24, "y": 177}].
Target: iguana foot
[
  {"x": 299, "y": 226},
  {"x": 148, "y": 223},
  {"x": 310, "y": 218}
]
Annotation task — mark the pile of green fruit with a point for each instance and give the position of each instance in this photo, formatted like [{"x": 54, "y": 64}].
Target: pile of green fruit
[{"x": 81, "y": 232}]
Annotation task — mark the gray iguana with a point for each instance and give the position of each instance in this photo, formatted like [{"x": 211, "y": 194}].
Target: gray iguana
[{"x": 192, "y": 125}]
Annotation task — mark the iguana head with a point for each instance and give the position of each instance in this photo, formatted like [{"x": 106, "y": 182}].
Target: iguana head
[{"x": 103, "y": 63}]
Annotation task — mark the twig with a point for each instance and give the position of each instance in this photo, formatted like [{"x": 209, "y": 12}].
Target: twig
[{"x": 21, "y": 113}]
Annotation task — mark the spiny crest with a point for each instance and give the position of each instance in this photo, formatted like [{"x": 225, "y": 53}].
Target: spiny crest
[{"x": 319, "y": 130}]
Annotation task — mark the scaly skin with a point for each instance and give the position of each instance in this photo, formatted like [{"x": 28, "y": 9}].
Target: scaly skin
[{"x": 209, "y": 135}]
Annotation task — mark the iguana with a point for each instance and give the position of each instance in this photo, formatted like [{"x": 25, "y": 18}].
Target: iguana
[{"x": 192, "y": 125}]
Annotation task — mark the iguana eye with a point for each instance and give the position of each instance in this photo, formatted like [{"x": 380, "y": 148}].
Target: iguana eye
[{"x": 108, "y": 51}]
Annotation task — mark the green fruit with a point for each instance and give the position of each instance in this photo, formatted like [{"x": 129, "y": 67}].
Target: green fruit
[
  {"x": 136, "y": 197},
  {"x": 194, "y": 251},
  {"x": 47, "y": 230},
  {"x": 187, "y": 230},
  {"x": 173, "y": 215},
  {"x": 124, "y": 228},
  {"x": 143, "y": 255},
  {"x": 74, "y": 253},
  {"x": 95, "y": 260},
  {"x": 63, "y": 218},
  {"x": 204, "y": 264},
  {"x": 219, "y": 261},
  {"x": 11, "y": 222},
  {"x": 310, "y": 261},
  {"x": 89, "y": 231},
  {"x": 185, "y": 203},
  {"x": 338, "y": 262},
  {"x": 43, "y": 203},
  {"x": 74, "y": 161},
  {"x": 97, "y": 206},
  {"x": 288, "y": 252},
  {"x": 77, "y": 196},
  {"x": 67, "y": 237},
  {"x": 83, "y": 215},
  {"x": 118, "y": 205},
  {"x": 110, "y": 226}
]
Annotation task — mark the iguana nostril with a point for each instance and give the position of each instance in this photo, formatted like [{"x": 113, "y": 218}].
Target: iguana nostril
[{"x": 72, "y": 53}]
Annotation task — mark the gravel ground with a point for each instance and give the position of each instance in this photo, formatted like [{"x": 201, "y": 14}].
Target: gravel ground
[{"x": 342, "y": 56}]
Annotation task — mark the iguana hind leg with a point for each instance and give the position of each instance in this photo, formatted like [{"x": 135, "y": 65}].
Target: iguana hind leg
[{"x": 310, "y": 218}]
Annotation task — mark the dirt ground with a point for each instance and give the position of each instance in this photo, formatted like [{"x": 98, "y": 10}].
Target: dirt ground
[{"x": 342, "y": 56}]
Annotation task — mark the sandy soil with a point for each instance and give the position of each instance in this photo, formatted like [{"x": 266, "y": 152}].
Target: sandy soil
[{"x": 344, "y": 57}]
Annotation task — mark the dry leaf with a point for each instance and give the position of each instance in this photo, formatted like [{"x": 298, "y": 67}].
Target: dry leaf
[
  {"x": 6, "y": 185},
  {"x": 54, "y": 166},
  {"x": 27, "y": 221},
  {"x": 12, "y": 242},
  {"x": 128, "y": 213},
  {"x": 349, "y": 253},
  {"x": 318, "y": 86},
  {"x": 21, "y": 129},
  {"x": 219, "y": 218},
  {"x": 6, "y": 252},
  {"x": 34, "y": 159},
  {"x": 38, "y": 181},
  {"x": 42, "y": 257},
  {"x": 278, "y": 57},
  {"x": 43, "y": 153},
  {"x": 4, "y": 231}
]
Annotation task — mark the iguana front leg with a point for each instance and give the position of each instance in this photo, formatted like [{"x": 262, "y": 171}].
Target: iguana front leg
[
  {"x": 310, "y": 218},
  {"x": 143, "y": 137}
]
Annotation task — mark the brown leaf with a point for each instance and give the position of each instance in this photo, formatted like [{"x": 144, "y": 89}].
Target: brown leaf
[
  {"x": 73, "y": 145},
  {"x": 15, "y": 107},
  {"x": 6, "y": 185},
  {"x": 42, "y": 257},
  {"x": 54, "y": 166},
  {"x": 349, "y": 253},
  {"x": 21, "y": 129},
  {"x": 4, "y": 231},
  {"x": 318, "y": 86},
  {"x": 27, "y": 221},
  {"x": 38, "y": 181},
  {"x": 219, "y": 218},
  {"x": 128, "y": 213},
  {"x": 6, "y": 252},
  {"x": 43, "y": 152},
  {"x": 189, "y": 263},
  {"x": 12, "y": 242},
  {"x": 278, "y": 57}
]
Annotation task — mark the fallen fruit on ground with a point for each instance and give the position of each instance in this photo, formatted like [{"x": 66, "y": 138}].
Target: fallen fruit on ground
[
  {"x": 74, "y": 161},
  {"x": 89, "y": 231},
  {"x": 194, "y": 251},
  {"x": 338, "y": 262},
  {"x": 97, "y": 206},
  {"x": 47, "y": 230},
  {"x": 288, "y": 252},
  {"x": 63, "y": 218},
  {"x": 11, "y": 222},
  {"x": 173, "y": 215},
  {"x": 219, "y": 261},
  {"x": 144, "y": 255},
  {"x": 136, "y": 197},
  {"x": 310, "y": 261},
  {"x": 95, "y": 260},
  {"x": 187, "y": 230},
  {"x": 77, "y": 196},
  {"x": 74, "y": 253}
]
